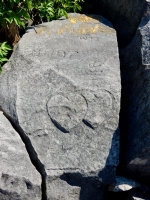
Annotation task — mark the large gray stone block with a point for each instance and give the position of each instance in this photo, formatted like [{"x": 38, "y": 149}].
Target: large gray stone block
[
  {"x": 18, "y": 177},
  {"x": 62, "y": 86}
]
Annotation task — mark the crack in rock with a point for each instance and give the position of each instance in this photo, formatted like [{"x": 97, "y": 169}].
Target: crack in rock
[{"x": 32, "y": 154}]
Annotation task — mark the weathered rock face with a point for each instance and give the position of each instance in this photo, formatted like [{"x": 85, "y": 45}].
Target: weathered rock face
[
  {"x": 62, "y": 87},
  {"x": 18, "y": 177},
  {"x": 135, "y": 116}
]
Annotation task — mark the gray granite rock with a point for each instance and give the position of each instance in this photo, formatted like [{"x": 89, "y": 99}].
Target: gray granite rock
[
  {"x": 135, "y": 117},
  {"x": 19, "y": 180},
  {"x": 62, "y": 88}
]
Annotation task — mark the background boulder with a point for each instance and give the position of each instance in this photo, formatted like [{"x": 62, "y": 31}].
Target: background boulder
[{"x": 135, "y": 117}]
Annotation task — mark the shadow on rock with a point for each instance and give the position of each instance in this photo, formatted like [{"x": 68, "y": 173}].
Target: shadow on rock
[{"x": 95, "y": 186}]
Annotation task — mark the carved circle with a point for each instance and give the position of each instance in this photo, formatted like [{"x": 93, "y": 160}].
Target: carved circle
[{"x": 66, "y": 110}]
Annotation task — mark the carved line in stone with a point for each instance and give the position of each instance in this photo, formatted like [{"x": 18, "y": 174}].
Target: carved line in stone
[
  {"x": 87, "y": 123},
  {"x": 59, "y": 126},
  {"x": 64, "y": 111},
  {"x": 100, "y": 118},
  {"x": 89, "y": 38},
  {"x": 112, "y": 97},
  {"x": 58, "y": 53},
  {"x": 66, "y": 115}
]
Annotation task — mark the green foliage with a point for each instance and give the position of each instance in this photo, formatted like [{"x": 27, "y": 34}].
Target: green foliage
[
  {"x": 4, "y": 48},
  {"x": 54, "y": 9},
  {"x": 14, "y": 10},
  {"x": 19, "y": 11}
]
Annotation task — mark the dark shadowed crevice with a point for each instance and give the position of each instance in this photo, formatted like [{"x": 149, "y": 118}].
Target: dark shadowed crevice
[
  {"x": 61, "y": 128},
  {"x": 32, "y": 154},
  {"x": 91, "y": 187},
  {"x": 86, "y": 122}
]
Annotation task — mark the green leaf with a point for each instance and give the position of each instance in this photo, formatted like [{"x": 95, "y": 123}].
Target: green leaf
[
  {"x": 0, "y": 69},
  {"x": 65, "y": 13},
  {"x": 12, "y": 2},
  {"x": 10, "y": 20},
  {"x": 4, "y": 59},
  {"x": 29, "y": 4},
  {"x": 4, "y": 48},
  {"x": 7, "y": 47}
]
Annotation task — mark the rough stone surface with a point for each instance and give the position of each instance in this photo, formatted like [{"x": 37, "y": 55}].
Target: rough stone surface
[
  {"x": 63, "y": 89},
  {"x": 19, "y": 180},
  {"x": 135, "y": 116}
]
